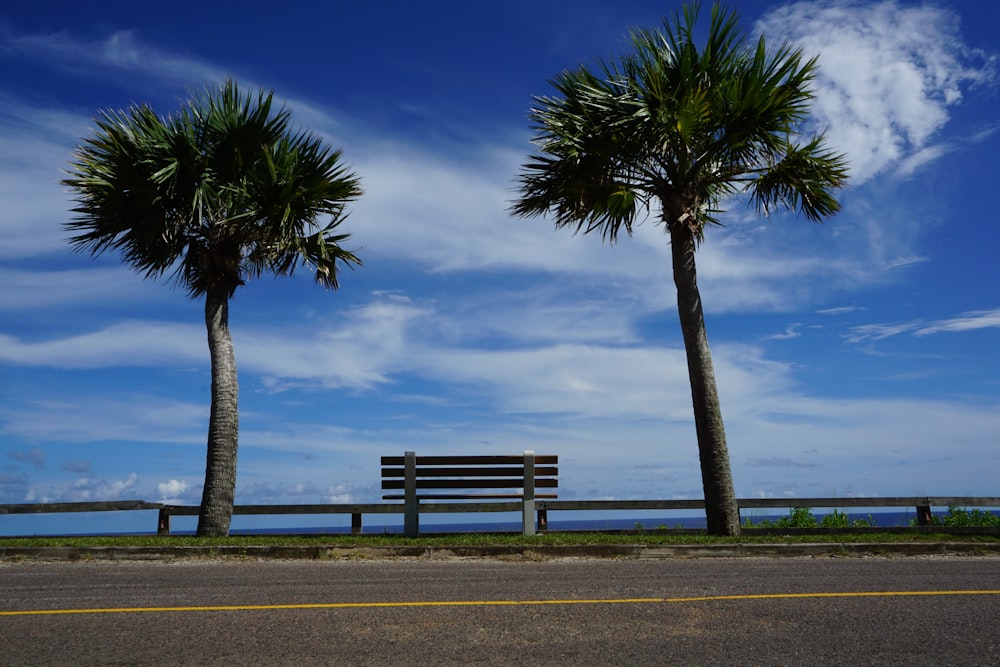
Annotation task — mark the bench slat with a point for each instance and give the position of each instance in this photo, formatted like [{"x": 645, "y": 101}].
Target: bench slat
[
  {"x": 547, "y": 459},
  {"x": 470, "y": 483},
  {"x": 467, "y": 496},
  {"x": 540, "y": 471}
]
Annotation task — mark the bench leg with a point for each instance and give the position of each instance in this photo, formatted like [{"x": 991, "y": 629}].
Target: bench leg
[
  {"x": 411, "y": 519},
  {"x": 356, "y": 523},
  {"x": 528, "y": 517}
]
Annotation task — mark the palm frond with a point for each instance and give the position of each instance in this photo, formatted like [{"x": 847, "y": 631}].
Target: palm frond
[{"x": 803, "y": 180}]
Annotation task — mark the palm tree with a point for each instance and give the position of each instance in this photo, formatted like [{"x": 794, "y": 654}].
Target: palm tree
[
  {"x": 217, "y": 193},
  {"x": 682, "y": 127}
]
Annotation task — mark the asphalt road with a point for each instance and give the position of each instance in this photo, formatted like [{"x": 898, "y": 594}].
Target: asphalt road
[{"x": 574, "y": 612}]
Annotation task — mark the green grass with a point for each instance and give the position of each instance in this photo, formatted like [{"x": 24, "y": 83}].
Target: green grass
[
  {"x": 802, "y": 517},
  {"x": 656, "y": 537}
]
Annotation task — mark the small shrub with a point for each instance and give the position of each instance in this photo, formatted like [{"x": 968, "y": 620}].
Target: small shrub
[
  {"x": 838, "y": 519},
  {"x": 798, "y": 517},
  {"x": 835, "y": 519},
  {"x": 961, "y": 517}
]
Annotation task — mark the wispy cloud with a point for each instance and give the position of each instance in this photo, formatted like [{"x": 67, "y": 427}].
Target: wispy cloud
[
  {"x": 789, "y": 333},
  {"x": 38, "y": 289},
  {"x": 122, "y": 50},
  {"x": 125, "y": 344},
  {"x": 779, "y": 462},
  {"x": 839, "y": 310},
  {"x": 34, "y": 204},
  {"x": 879, "y": 331},
  {"x": 903, "y": 262},
  {"x": 980, "y": 319},
  {"x": 78, "y": 419}
]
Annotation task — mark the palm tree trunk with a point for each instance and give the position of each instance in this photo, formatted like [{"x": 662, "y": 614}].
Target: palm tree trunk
[
  {"x": 223, "y": 428},
  {"x": 721, "y": 510}
]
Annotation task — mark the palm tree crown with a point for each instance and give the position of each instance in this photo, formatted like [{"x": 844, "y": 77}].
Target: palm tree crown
[
  {"x": 220, "y": 192},
  {"x": 681, "y": 124}
]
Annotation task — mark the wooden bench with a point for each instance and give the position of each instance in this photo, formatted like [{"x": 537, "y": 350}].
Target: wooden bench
[{"x": 470, "y": 478}]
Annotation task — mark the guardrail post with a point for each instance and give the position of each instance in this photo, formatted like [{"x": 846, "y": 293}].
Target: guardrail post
[
  {"x": 411, "y": 506},
  {"x": 355, "y": 523},
  {"x": 528, "y": 497},
  {"x": 924, "y": 517},
  {"x": 163, "y": 522}
]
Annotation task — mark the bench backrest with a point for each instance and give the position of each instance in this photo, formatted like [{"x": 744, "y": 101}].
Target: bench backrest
[{"x": 470, "y": 477}]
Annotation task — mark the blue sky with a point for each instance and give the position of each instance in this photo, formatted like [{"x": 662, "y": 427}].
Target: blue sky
[{"x": 857, "y": 357}]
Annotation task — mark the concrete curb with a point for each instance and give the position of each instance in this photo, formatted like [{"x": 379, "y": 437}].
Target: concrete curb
[{"x": 519, "y": 552}]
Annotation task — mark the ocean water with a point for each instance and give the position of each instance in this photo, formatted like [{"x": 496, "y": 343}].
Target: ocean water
[
  {"x": 430, "y": 524},
  {"x": 144, "y": 522}
]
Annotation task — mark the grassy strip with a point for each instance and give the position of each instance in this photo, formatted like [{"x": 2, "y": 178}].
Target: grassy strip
[{"x": 503, "y": 539}]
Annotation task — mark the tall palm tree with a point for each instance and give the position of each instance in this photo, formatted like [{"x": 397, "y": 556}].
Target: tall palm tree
[
  {"x": 684, "y": 127},
  {"x": 222, "y": 191}
]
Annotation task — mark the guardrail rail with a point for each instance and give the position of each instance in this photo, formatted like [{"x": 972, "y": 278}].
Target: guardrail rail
[{"x": 923, "y": 506}]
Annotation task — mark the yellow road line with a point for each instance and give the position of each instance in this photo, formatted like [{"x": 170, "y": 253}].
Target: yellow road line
[{"x": 490, "y": 603}]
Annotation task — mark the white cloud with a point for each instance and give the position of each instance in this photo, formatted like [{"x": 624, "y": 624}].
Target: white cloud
[
  {"x": 88, "y": 488},
  {"x": 888, "y": 74},
  {"x": 573, "y": 380},
  {"x": 178, "y": 492},
  {"x": 367, "y": 345},
  {"x": 173, "y": 487}
]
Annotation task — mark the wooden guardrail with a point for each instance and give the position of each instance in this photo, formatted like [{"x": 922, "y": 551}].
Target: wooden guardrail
[
  {"x": 55, "y": 508},
  {"x": 355, "y": 510},
  {"x": 922, "y": 504}
]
